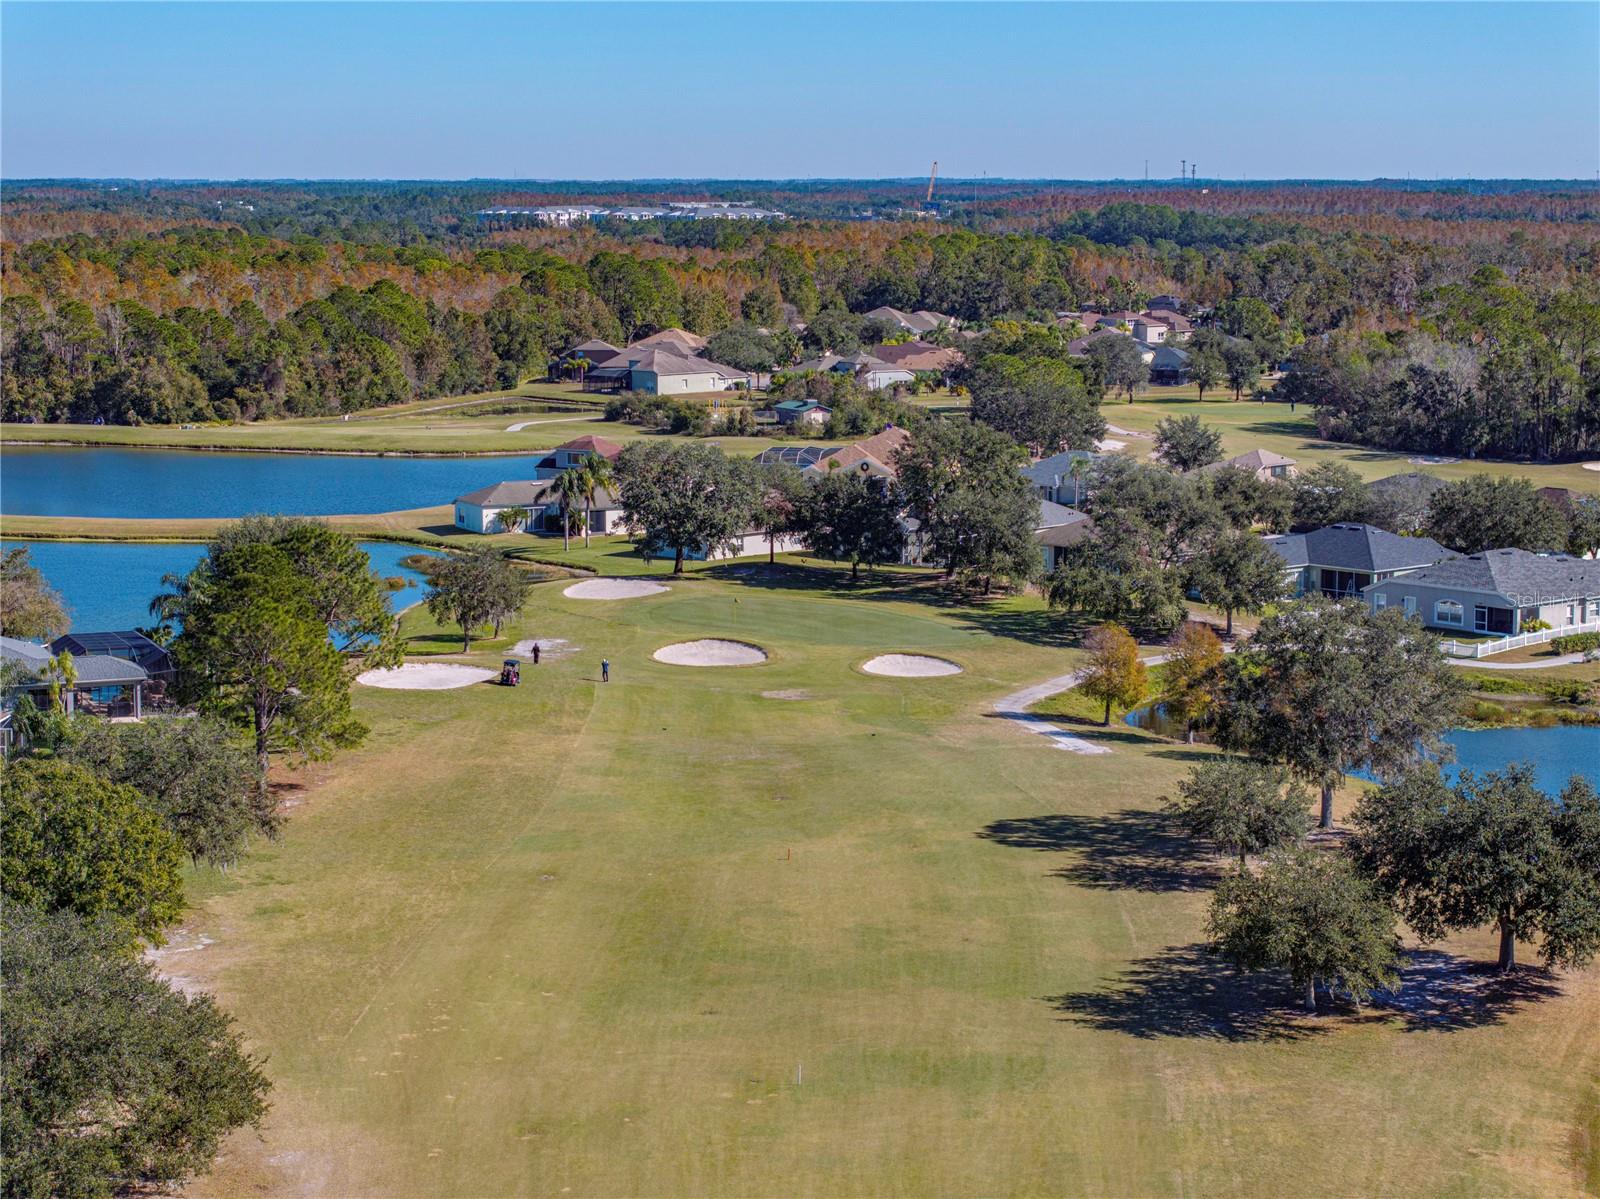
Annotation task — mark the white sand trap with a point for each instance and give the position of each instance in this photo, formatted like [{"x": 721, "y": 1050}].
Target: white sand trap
[
  {"x": 1591, "y": 466},
  {"x": 611, "y": 589},
  {"x": 426, "y": 676},
  {"x": 1109, "y": 445},
  {"x": 711, "y": 652},
  {"x": 909, "y": 666}
]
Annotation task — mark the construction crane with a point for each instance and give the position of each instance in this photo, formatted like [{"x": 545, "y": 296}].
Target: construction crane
[{"x": 933, "y": 175}]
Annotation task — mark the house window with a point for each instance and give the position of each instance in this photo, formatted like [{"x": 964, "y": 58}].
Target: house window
[
  {"x": 1409, "y": 602},
  {"x": 1480, "y": 618},
  {"x": 1448, "y": 612},
  {"x": 1380, "y": 601}
]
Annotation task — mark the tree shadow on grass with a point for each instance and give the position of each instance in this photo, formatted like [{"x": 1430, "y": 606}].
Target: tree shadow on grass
[
  {"x": 1134, "y": 849},
  {"x": 1443, "y": 992},
  {"x": 1186, "y": 991}
]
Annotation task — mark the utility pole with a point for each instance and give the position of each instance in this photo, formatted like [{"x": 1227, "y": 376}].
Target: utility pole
[
  {"x": 1147, "y": 170},
  {"x": 1183, "y": 169}
]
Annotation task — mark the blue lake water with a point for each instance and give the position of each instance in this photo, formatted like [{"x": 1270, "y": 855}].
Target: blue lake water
[
  {"x": 1556, "y": 754},
  {"x": 156, "y": 484},
  {"x": 109, "y": 586}
]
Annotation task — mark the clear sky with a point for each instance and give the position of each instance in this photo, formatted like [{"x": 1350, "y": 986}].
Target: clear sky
[{"x": 616, "y": 91}]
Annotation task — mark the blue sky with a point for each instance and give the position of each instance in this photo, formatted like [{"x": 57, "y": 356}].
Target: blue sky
[{"x": 799, "y": 91}]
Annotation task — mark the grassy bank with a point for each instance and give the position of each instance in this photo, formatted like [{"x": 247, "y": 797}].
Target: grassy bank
[
  {"x": 1247, "y": 425},
  {"x": 793, "y": 929}
]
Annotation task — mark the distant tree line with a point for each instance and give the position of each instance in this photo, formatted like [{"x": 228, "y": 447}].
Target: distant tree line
[{"x": 307, "y": 313}]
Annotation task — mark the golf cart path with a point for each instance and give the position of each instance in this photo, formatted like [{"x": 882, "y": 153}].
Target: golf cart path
[
  {"x": 1480, "y": 664},
  {"x": 556, "y": 420},
  {"x": 1015, "y": 707}
]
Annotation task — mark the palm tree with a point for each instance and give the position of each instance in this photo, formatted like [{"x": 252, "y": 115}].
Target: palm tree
[
  {"x": 597, "y": 473},
  {"x": 1076, "y": 470},
  {"x": 569, "y": 489},
  {"x": 62, "y": 672},
  {"x": 513, "y": 518}
]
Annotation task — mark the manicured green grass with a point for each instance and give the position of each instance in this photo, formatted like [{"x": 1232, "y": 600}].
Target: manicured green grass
[
  {"x": 797, "y": 930},
  {"x": 447, "y": 425},
  {"x": 1247, "y": 425}
]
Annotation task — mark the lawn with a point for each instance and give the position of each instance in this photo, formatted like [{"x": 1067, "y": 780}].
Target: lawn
[
  {"x": 793, "y": 929},
  {"x": 451, "y": 425},
  {"x": 1247, "y": 425}
]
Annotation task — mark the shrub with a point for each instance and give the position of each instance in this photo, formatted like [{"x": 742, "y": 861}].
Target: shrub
[
  {"x": 1483, "y": 712},
  {"x": 1575, "y": 643}
]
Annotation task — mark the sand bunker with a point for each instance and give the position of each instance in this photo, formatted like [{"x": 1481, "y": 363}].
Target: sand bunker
[
  {"x": 426, "y": 676},
  {"x": 612, "y": 589},
  {"x": 909, "y": 666},
  {"x": 711, "y": 652},
  {"x": 1591, "y": 466}
]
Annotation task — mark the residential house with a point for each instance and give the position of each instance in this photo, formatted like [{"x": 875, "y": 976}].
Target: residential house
[
  {"x": 801, "y": 412},
  {"x": 920, "y": 357},
  {"x": 873, "y": 373},
  {"x": 658, "y": 371},
  {"x": 874, "y": 456},
  {"x": 592, "y": 353},
  {"x": 1340, "y": 561},
  {"x": 1179, "y": 327},
  {"x": 105, "y": 686},
  {"x": 481, "y": 511},
  {"x": 1497, "y": 592},
  {"x": 1149, "y": 330},
  {"x": 128, "y": 644},
  {"x": 919, "y": 322},
  {"x": 1263, "y": 464},
  {"x": 1062, "y": 478},
  {"x": 1169, "y": 365},
  {"x": 1058, "y": 528},
  {"x": 1165, "y": 303},
  {"x": 575, "y": 453},
  {"x": 680, "y": 341},
  {"x": 1079, "y": 347}
]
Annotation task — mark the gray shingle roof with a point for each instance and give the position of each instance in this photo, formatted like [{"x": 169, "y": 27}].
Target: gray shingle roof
[
  {"x": 1518, "y": 576},
  {"x": 1357, "y": 547},
  {"x": 507, "y": 494},
  {"x": 100, "y": 670},
  {"x": 1048, "y": 472}
]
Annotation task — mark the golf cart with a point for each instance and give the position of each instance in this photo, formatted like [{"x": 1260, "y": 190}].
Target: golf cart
[{"x": 510, "y": 672}]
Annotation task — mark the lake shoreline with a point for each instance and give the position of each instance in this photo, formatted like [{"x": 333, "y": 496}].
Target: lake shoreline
[{"x": 97, "y": 444}]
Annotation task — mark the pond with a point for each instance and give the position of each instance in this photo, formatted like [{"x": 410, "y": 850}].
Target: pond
[
  {"x": 165, "y": 484},
  {"x": 109, "y": 585},
  {"x": 1556, "y": 753}
]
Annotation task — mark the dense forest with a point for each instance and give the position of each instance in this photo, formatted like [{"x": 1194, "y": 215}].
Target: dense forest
[{"x": 1460, "y": 320}]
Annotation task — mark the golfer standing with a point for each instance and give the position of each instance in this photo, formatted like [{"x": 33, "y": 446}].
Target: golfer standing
[{"x": 605, "y": 671}]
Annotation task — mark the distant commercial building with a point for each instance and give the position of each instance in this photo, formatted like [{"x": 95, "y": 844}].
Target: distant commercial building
[{"x": 563, "y": 215}]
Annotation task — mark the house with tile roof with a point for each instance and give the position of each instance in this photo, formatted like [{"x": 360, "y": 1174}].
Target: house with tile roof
[
  {"x": 1341, "y": 561},
  {"x": 920, "y": 357},
  {"x": 1497, "y": 593},
  {"x": 679, "y": 340}
]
